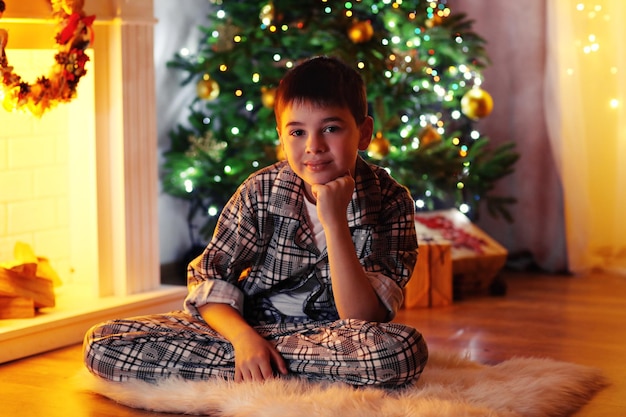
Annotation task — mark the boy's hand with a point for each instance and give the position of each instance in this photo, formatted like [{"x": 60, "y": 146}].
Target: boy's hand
[
  {"x": 256, "y": 359},
  {"x": 333, "y": 199}
]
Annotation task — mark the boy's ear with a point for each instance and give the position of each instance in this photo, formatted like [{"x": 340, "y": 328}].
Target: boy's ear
[{"x": 367, "y": 130}]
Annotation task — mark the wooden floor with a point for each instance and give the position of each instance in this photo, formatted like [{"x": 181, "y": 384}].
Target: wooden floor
[{"x": 574, "y": 319}]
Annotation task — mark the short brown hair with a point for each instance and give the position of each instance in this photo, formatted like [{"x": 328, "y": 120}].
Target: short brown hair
[{"x": 323, "y": 81}]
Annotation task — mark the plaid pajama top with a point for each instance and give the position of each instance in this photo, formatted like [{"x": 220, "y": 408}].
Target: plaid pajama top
[{"x": 263, "y": 245}]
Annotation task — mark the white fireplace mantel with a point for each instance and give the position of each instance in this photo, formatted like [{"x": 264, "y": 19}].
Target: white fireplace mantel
[{"x": 126, "y": 172}]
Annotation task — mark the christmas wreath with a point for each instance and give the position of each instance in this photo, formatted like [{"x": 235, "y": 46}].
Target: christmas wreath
[{"x": 74, "y": 35}]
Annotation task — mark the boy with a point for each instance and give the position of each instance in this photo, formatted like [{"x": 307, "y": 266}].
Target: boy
[{"x": 305, "y": 268}]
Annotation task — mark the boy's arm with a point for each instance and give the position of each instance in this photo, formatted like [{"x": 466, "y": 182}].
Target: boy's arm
[
  {"x": 354, "y": 295},
  {"x": 256, "y": 359}
]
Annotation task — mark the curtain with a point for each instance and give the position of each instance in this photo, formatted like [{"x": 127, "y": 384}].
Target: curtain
[
  {"x": 515, "y": 35},
  {"x": 558, "y": 79},
  {"x": 586, "y": 104}
]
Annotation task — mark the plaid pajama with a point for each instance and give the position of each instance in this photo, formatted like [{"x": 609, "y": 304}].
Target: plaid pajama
[
  {"x": 176, "y": 344},
  {"x": 264, "y": 245}
]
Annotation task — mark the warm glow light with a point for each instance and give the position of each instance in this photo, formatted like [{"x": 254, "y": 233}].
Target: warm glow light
[{"x": 69, "y": 129}]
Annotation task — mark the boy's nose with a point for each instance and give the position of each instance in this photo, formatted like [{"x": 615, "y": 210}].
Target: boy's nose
[{"x": 315, "y": 143}]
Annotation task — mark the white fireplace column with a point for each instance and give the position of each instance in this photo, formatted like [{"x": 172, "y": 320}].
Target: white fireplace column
[{"x": 126, "y": 145}]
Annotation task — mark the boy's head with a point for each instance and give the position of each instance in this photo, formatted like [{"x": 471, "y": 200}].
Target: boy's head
[
  {"x": 322, "y": 121},
  {"x": 323, "y": 81}
]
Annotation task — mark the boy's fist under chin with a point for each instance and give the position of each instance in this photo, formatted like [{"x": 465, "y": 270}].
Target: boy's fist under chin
[{"x": 333, "y": 197}]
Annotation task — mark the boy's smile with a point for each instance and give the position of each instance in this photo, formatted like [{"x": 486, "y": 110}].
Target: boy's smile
[{"x": 321, "y": 143}]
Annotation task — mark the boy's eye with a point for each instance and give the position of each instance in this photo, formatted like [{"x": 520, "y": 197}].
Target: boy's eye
[
  {"x": 331, "y": 129},
  {"x": 298, "y": 132}
]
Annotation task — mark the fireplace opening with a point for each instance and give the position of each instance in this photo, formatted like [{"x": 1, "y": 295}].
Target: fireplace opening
[{"x": 48, "y": 183}]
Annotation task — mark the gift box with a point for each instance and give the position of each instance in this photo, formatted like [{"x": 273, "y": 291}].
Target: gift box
[
  {"x": 431, "y": 282},
  {"x": 476, "y": 257}
]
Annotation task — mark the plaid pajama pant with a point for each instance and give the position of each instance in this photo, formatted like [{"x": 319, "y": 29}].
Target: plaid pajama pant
[{"x": 176, "y": 344}]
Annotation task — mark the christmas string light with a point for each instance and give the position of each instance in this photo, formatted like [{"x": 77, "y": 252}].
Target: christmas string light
[
  {"x": 592, "y": 15},
  {"x": 400, "y": 41}
]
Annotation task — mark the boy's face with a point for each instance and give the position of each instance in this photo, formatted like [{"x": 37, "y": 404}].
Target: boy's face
[{"x": 321, "y": 143}]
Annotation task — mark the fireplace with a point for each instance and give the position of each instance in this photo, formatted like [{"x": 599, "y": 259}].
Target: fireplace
[{"x": 100, "y": 183}]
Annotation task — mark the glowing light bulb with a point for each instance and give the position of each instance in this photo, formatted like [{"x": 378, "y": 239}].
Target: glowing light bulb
[{"x": 188, "y": 185}]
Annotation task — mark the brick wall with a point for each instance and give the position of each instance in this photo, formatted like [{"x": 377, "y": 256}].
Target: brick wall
[{"x": 35, "y": 170}]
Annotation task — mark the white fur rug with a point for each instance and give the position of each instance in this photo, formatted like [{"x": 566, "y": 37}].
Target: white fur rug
[{"x": 450, "y": 386}]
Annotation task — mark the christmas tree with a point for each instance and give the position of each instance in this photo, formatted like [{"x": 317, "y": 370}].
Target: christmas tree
[{"x": 422, "y": 65}]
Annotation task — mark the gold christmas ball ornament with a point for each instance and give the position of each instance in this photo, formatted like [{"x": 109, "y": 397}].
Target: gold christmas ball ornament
[
  {"x": 379, "y": 147},
  {"x": 428, "y": 135},
  {"x": 267, "y": 97},
  {"x": 476, "y": 103},
  {"x": 361, "y": 31},
  {"x": 207, "y": 88},
  {"x": 436, "y": 20}
]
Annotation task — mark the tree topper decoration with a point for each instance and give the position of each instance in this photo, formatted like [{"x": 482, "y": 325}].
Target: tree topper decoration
[{"x": 73, "y": 37}]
